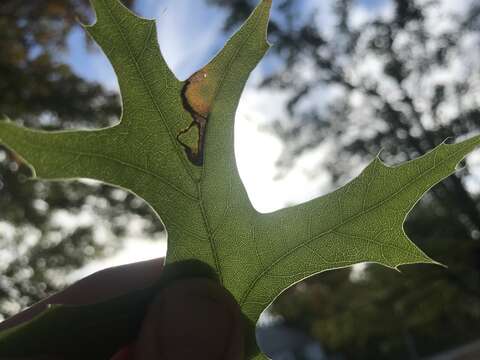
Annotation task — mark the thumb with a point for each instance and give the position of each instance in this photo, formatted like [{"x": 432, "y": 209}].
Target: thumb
[{"x": 192, "y": 319}]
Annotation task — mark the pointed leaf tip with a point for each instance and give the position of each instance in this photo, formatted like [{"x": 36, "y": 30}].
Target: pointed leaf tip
[
  {"x": 107, "y": 10},
  {"x": 267, "y": 4},
  {"x": 209, "y": 217}
]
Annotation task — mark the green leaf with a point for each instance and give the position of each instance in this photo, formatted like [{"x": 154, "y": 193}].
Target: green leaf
[{"x": 174, "y": 148}]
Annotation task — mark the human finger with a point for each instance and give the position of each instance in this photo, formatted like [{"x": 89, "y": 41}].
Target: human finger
[
  {"x": 191, "y": 319},
  {"x": 100, "y": 286}
]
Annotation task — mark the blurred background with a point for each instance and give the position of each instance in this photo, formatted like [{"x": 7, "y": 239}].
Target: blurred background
[{"x": 344, "y": 80}]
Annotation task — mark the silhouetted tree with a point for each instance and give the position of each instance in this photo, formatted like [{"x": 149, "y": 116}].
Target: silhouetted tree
[
  {"x": 37, "y": 245},
  {"x": 401, "y": 81}
]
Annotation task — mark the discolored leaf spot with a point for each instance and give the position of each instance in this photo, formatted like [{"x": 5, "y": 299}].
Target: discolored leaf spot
[
  {"x": 193, "y": 138},
  {"x": 210, "y": 218},
  {"x": 198, "y": 96},
  {"x": 197, "y": 99},
  {"x": 199, "y": 92}
]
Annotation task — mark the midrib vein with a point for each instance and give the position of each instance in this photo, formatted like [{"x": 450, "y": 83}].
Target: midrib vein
[
  {"x": 210, "y": 236},
  {"x": 335, "y": 227},
  {"x": 210, "y": 232},
  {"x": 222, "y": 81},
  {"x": 150, "y": 92}
]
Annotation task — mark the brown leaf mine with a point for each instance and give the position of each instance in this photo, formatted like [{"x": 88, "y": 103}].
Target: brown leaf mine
[
  {"x": 192, "y": 139},
  {"x": 198, "y": 94}
]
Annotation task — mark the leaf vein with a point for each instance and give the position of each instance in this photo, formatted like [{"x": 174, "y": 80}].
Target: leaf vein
[
  {"x": 122, "y": 162},
  {"x": 333, "y": 228},
  {"x": 150, "y": 93}
]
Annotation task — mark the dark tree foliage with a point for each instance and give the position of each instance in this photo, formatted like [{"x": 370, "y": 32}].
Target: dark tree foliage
[
  {"x": 37, "y": 247},
  {"x": 401, "y": 83}
]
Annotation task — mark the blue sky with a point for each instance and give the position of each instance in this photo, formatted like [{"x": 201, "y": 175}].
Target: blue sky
[
  {"x": 189, "y": 32},
  {"x": 371, "y": 4}
]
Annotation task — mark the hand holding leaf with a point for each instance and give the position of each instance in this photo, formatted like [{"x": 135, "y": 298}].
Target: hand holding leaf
[{"x": 174, "y": 148}]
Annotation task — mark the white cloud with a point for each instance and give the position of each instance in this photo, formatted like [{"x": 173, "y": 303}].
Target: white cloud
[{"x": 362, "y": 14}]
